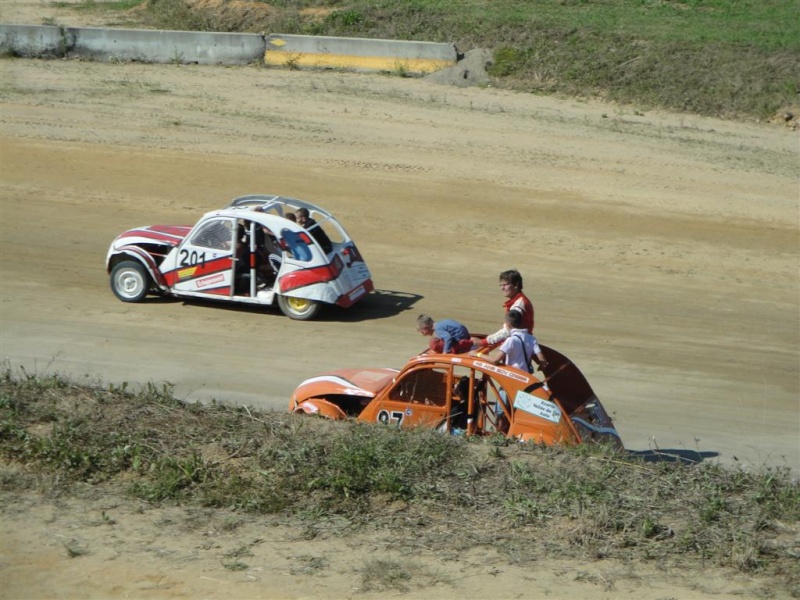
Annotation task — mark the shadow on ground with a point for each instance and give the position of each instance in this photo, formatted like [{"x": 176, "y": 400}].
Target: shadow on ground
[
  {"x": 378, "y": 304},
  {"x": 689, "y": 457}
]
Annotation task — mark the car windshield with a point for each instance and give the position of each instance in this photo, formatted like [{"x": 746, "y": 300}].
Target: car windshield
[{"x": 215, "y": 234}]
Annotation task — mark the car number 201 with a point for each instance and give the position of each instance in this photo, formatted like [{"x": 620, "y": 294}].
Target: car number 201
[
  {"x": 190, "y": 259},
  {"x": 395, "y": 417}
]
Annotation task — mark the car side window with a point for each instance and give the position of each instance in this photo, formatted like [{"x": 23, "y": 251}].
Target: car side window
[
  {"x": 296, "y": 244},
  {"x": 423, "y": 386},
  {"x": 215, "y": 234}
]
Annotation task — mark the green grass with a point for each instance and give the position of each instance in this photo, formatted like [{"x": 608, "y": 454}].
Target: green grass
[
  {"x": 93, "y": 5},
  {"x": 715, "y": 57},
  {"x": 585, "y": 502},
  {"x": 727, "y": 58}
]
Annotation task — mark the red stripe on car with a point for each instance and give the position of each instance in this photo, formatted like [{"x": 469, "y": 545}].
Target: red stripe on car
[
  {"x": 305, "y": 277},
  {"x": 199, "y": 270}
]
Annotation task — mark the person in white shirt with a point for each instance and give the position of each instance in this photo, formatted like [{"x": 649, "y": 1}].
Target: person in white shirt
[
  {"x": 518, "y": 348},
  {"x": 515, "y": 351}
]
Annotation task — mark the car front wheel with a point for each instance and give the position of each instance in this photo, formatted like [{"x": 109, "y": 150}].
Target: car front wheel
[
  {"x": 130, "y": 281},
  {"x": 300, "y": 309}
]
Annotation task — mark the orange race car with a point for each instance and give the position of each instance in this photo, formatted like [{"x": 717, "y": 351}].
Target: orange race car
[{"x": 466, "y": 395}]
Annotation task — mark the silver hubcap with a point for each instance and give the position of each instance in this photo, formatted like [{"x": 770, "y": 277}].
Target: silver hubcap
[{"x": 129, "y": 283}]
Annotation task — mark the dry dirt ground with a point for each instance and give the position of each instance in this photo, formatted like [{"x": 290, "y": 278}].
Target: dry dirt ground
[{"x": 661, "y": 252}]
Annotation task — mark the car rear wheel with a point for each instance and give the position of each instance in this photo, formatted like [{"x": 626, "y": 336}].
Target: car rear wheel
[
  {"x": 130, "y": 281},
  {"x": 300, "y": 309}
]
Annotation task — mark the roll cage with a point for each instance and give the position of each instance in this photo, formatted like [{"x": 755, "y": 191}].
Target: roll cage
[
  {"x": 282, "y": 205},
  {"x": 470, "y": 399}
]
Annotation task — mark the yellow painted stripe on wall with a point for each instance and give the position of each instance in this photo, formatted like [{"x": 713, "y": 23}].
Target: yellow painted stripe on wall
[{"x": 349, "y": 61}]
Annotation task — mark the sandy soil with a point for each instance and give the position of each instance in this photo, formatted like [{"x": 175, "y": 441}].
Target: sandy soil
[{"x": 661, "y": 252}]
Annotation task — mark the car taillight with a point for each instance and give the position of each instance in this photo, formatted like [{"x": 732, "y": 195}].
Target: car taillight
[
  {"x": 353, "y": 254},
  {"x": 337, "y": 266}
]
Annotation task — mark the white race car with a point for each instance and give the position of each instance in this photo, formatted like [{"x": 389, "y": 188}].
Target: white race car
[{"x": 251, "y": 252}]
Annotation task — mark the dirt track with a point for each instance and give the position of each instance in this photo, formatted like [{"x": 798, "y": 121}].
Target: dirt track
[{"x": 661, "y": 250}]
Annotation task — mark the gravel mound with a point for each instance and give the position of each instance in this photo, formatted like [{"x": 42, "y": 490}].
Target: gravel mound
[{"x": 469, "y": 71}]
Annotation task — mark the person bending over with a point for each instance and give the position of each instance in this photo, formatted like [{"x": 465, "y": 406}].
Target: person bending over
[{"x": 447, "y": 336}]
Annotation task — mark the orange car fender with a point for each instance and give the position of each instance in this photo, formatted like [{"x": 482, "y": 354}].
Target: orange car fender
[
  {"x": 527, "y": 427},
  {"x": 320, "y": 408},
  {"x": 549, "y": 438}
]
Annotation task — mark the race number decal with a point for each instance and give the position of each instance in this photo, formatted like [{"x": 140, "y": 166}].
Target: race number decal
[
  {"x": 394, "y": 418},
  {"x": 192, "y": 258},
  {"x": 544, "y": 409}
]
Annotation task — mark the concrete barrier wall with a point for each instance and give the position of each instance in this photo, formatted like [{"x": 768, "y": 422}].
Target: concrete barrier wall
[
  {"x": 143, "y": 45},
  {"x": 182, "y": 47},
  {"x": 31, "y": 41},
  {"x": 359, "y": 54}
]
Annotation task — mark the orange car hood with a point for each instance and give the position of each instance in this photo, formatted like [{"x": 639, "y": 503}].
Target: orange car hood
[{"x": 352, "y": 382}]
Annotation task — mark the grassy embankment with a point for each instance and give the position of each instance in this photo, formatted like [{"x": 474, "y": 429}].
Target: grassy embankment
[
  {"x": 525, "y": 501},
  {"x": 730, "y": 58}
]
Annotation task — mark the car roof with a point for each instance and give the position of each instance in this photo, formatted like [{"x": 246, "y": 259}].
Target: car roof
[
  {"x": 265, "y": 201},
  {"x": 273, "y": 221},
  {"x": 570, "y": 386},
  {"x": 513, "y": 376},
  {"x": 276, "y": 206}
]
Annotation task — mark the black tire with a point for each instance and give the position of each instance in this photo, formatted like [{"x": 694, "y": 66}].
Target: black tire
[
  {"x": 299, "y": 309},
  {"x": 130, "y": 281}
]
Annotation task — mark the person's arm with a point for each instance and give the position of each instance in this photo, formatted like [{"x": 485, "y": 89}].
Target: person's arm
[
  {"x": 495, "y": 338},
  {"x": 540, "y": 359},
  {"x": 498, "y": 336},
  {"x": 495, "y": 357},
  {"x": 501, "y": 334}
]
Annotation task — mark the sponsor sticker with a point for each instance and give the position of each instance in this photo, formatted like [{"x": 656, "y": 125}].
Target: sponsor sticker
[
  {"x": 501, "y": 370},
  {"x": 184, "y": 273},
  {"x": 218, "y": 278},
  {"x": 544, "y": 409},
  {"x": 357, "y": 293}
]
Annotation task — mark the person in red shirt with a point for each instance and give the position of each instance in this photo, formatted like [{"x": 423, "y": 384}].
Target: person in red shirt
[{"x": 511, "y": 286}]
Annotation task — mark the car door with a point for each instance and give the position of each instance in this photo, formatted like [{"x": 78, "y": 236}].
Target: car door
[
  {"x": 339, "y": 274},
  {"x": 205, "y": 261},
  {"x": 353, "y": 279},
  {"x": 419, "y": 397}
]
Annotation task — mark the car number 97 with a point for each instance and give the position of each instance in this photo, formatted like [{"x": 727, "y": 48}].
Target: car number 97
[{"x": 395, "y": 417}]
